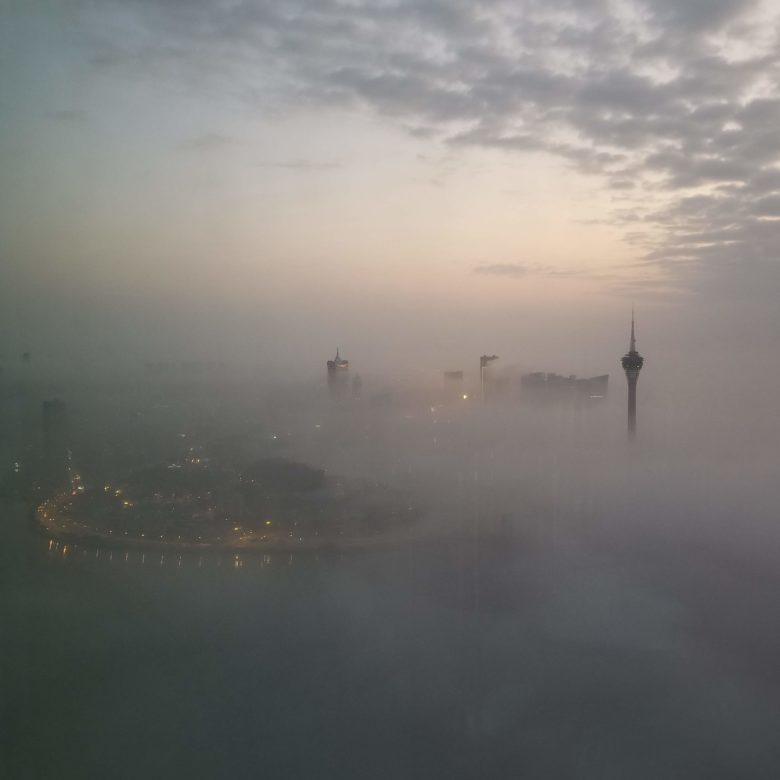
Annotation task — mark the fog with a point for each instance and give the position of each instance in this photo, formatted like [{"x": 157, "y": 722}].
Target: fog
[
  {"x": 567, "y": 603},
  {"x": 309, "y": 467}
]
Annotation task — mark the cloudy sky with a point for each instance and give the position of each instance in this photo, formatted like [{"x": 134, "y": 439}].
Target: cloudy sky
[{"x": 390, "y": 173}]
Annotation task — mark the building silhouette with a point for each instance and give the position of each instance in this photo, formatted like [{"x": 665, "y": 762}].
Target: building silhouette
[
  {"x": 453, "y": 385},
  {"x": 338, "y": 376},
  {"x": 56, "y": 450},
  {"x": 543, "y": 387},
  {"x": 357, "y": 387},
  {"x": 632, "y": 363},
  {"x": 592, "y": 389},
  {"x": 484, "y": 362}
]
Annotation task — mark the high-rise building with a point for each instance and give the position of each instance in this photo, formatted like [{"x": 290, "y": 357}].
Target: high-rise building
[
  {"x": 555, "y": 388},
  {"x": 357, "y": 387},
  {"x": 338, "y": 376},
  {"x": 56, "y": 450},
  {"x": 484, "y": 362},
  {"x": 632, "y": 364},
  {"x": 453, "y": 386}
]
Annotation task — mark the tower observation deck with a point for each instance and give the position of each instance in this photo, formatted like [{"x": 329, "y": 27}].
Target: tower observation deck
[{"x": 632, "y": 363}]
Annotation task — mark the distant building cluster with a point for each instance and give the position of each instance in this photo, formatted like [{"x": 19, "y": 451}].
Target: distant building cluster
[
  {"x": 539, "y": 386},
  {"x": 535, "y": 387}
]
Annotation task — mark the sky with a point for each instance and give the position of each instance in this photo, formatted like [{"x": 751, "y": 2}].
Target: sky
[{"x": 410, "y": 179}]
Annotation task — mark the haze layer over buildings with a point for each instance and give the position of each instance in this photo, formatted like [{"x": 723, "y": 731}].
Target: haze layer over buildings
[{"x": 200, "y": 200}]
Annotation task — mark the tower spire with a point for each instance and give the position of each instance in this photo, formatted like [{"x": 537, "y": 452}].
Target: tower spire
[{"x": 632, "y": 363}]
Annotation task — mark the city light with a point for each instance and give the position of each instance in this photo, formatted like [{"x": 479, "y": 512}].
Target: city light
[{"x": 566, "y": 575}]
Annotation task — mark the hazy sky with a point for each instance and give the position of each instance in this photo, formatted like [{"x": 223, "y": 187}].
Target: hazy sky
[{"x": 419, "y": 175}]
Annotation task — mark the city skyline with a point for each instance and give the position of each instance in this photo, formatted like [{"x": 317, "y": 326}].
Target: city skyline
[{"x": 316, "y": 455}]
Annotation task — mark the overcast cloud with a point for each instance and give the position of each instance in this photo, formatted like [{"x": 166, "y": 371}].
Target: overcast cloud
[
  {"x": 486, "y": 157},
  {"x": 671, "y": 103}
]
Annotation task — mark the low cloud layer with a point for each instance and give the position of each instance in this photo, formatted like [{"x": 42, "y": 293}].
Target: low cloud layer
[{"x": 520, "y": 270}]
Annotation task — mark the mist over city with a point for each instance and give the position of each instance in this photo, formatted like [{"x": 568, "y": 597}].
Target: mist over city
[{"x": 387, "y": 389}]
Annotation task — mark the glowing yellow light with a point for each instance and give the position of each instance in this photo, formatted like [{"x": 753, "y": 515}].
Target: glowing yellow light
[
  {"x": 268, "y": 522},
  {"x": 465, "y": 396}
]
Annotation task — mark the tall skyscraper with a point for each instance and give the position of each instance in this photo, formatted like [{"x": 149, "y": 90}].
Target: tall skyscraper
[
  {"x": 453, "y": 386},
  {"x": 357, "y": 387},
  {"x": 632, "y": 364},
  {"x": 338, "y": 376},
  {"x": 56, "y": 452},
  {"x": 484, "y": 362}
]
